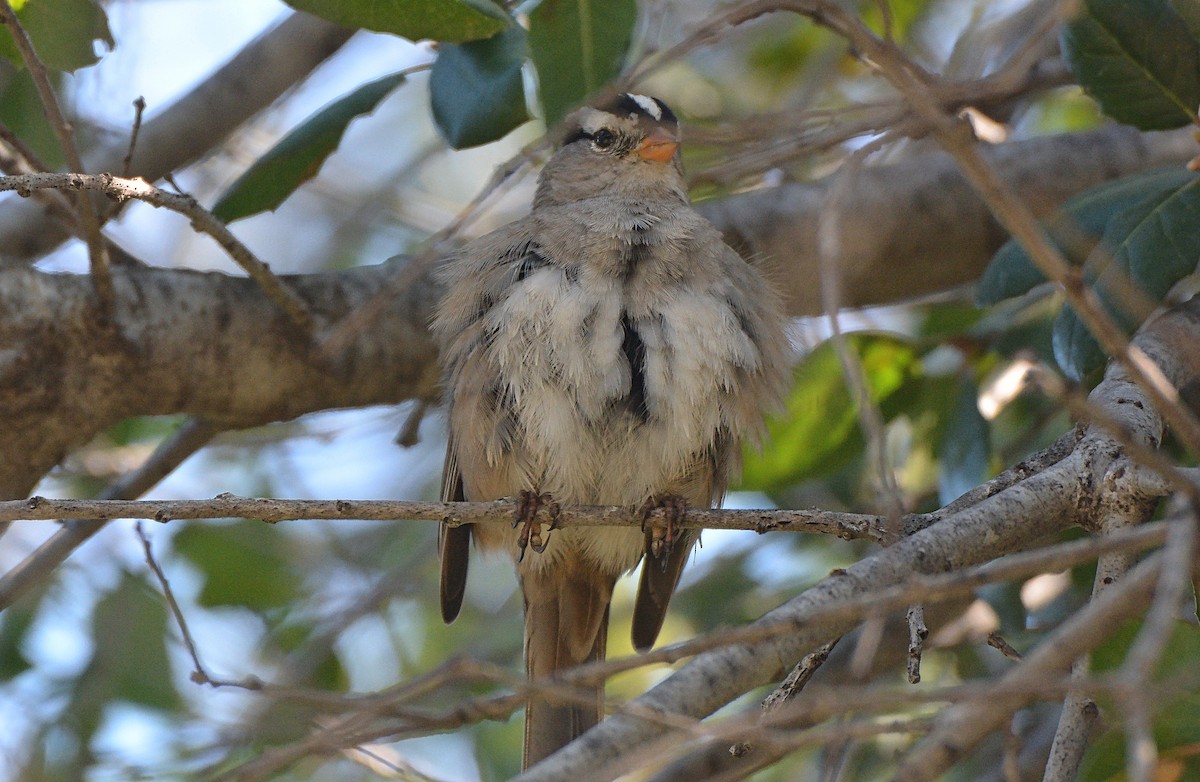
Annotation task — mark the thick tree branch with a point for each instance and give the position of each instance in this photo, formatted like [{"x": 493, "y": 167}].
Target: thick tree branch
[
  {"x": 914, "y": 228},
  {"x": 207, "y": 345},
  {"x": 213, "y": 346}
]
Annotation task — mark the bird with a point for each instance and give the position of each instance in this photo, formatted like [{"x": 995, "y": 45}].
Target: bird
[{"x": 607, "y": 349}]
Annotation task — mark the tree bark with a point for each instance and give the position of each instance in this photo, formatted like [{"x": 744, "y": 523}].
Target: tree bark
[
  {"x": 203, "y": 344},
  {"x": 917, "y": 227},
  {"x": 214, "y": 346}
]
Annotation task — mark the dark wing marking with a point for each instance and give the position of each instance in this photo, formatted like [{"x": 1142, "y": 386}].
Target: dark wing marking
[{"x": 454, "y": 543}]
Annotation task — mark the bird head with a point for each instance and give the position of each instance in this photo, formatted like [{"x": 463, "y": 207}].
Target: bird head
[{"x": 628, "y": 144}]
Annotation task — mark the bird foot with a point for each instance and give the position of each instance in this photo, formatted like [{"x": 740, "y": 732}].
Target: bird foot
[
  {"x": 528, "y": 505},
  {"x": 660, "y": 539}
]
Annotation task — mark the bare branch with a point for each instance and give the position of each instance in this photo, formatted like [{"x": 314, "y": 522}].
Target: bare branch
[
  {"x": 199, "y": 674},
  {"x": 39, "y": 564},
  {"x": 963, "y": 725},
  {"x": 121, "y": 189},
  {"x": 917, "y": 633},
  {"x": 848, "y": 526},
  {"x": 97, "y": 251}
]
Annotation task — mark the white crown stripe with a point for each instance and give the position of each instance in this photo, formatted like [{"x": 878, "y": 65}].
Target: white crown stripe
[{"x": 649, "y": 105}]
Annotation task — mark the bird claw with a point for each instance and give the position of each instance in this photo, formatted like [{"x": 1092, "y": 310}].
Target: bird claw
[
  {"x": 662, "y": 537},
  {"x": 528, "y": 505}
]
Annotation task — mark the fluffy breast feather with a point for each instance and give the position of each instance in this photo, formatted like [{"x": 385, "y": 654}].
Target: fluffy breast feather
[{"x": 554, "y": 329}]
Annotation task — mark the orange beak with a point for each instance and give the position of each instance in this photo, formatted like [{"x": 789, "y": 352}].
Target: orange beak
[{"x": 659, "y": 146}]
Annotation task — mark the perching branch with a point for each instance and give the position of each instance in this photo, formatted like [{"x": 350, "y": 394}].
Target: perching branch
[{"x": 848, "y": 526}]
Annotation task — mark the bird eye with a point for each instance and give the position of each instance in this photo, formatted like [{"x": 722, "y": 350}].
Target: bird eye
[{"x": 603, "y": 138}]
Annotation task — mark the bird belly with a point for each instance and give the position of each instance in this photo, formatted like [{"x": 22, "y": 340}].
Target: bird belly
[{"x": 596, "y": 421}]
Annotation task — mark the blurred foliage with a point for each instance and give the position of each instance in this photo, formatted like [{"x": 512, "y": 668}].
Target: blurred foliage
[
  {"x": 439, "y": 20},
  {"x": 1135, "y": 231},
  {"x": 1139, "y": 60},
  {"x": 477, "y": 90},
  {"x": 578, "y": 46},
  {"x": 64, "y": 33},
  {"x": 21, "y": 112},
  {"x": 244, "y": 564},
  {"x": 1176, "y": 700},
  {"x": 1134, "y": 238},
  {"x": 349, "y": 608},
  {"x": 298, "y": 156}
]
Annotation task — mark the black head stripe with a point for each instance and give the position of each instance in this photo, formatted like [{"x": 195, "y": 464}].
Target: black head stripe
[
  {"x": 574, "y": 135},
  {"x": 627, "y": 105},
  {"x": 667, "y": 114}
]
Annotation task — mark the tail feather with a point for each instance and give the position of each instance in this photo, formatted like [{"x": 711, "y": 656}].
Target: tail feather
[{"x": 566, "y": 624}]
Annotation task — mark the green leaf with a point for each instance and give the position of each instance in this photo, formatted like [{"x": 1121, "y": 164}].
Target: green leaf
[
  {"x": 14, "y": 625},
  {"x": 438, "y": 20},
  {"x": 476, "y": 88},
  {"x": 965, "y": 448},
  {"x": 1075, "y": 230},
  {"x": 64, "y": 33},
  {"x": 1155, "y": 242},
  {"x": 578, "y": 46},
  {"x": 1152, "y": 244},
  {"x": 299, "y": 155},
  {"x": 819, "y": 433},
  {"x": 1075, "y": 349},
  {"x": 21, "y": 110},
  {"x": 1176, "y": 718},
  {"x": 1137, "y": 59},
  {"x": 244, "y": 564},
  {"x": 129, "y": 659},
  {"x": 1189, "y": 11}
]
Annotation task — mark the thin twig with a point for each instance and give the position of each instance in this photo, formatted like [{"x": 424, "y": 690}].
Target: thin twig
[
  {"x": 139, "y": 107},
  {"x": 40, "y": 563},
  {"x": 870, "y": 419},
  {"x": 202, "y": 220},
  {"x": 917, "y": 633},
  {"x": 1079, "y": 710},
  {"x": 97, "y": 251},
  {"x": 1010, "y": 763},
  {"x": 1141, "y": 752},
  {"x": 997, "y": 642},
  {"x": 849, "y": 526},
  {"x": 791, "y": 686},
  {"x": 867, "y": 645},
  {"x": 199, "y": 675}
]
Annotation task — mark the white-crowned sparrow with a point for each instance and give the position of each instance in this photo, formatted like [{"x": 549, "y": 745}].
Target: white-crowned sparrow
[{"x": 608, "y": 349}]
